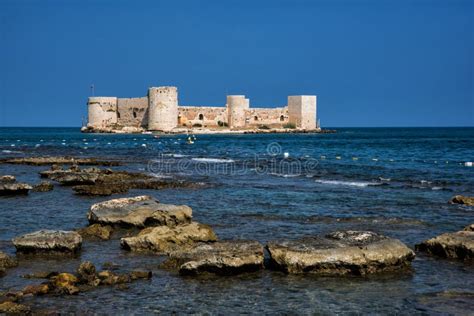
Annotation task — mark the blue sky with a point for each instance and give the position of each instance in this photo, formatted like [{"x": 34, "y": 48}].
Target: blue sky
[{"x": 371, "y": 63}]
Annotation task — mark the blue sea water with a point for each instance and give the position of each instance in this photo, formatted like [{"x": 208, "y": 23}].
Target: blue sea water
[{"x": 395, "y": 181}]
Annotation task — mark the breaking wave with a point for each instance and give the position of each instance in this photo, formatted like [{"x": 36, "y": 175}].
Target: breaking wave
[
  {"x": 348, "y": 183},
  {"x": 213, "y": 160}
]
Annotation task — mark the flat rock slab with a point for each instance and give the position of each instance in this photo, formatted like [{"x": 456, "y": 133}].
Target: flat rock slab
[
  {"x": 41, "y": 161},
  {"x": 222, "y": 258},
  {"x": 48, "y": 241},
  {"x": 14, "y": 188},
  {"x": 164, "y": 239},
  {"x": 341, "y": 253},
  {"x": 458, "y": 245},
  {"x": 461, "y": 199},
  {"x": 139, "y": 211}
]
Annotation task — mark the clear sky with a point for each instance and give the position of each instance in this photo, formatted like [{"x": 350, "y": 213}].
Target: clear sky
[{"x": 371, "y": 63}]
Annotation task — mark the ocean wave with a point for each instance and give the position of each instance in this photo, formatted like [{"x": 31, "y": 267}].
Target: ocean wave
[
  {"x": 348, "y": 183},
  {"x": 283, "y": 175},
  {"x": 213, "y": 160},
  {"x": 6, "y": 151}
]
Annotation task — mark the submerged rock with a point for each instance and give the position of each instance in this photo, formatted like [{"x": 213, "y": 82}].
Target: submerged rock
[
  {"x": 458, "y": 245},
  {"x": 96, "y": 231},
  {"x": 460, "y": 199},
  {"x": 10, "y": 308},
  {"x": 164, "y": 239},
  {"x": 44, "y": 186},
  {"x": 139, "y": 211},
  {"x": 14, "y": 188},
  {"x": 341, "y": 253},
  {"x": 48, "y": 241},
  {"x": 7, "y": 179},
  {"x": 6, "y": 262},
  {"x": 223, "y": 258},
  {"x": 41, "y": 161}
]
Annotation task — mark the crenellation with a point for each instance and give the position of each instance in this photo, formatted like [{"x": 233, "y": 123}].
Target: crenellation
[{"x": 159, "y": 111}]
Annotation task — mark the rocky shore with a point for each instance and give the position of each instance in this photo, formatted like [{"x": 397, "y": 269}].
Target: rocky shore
[{"x": 168, "y": 232}]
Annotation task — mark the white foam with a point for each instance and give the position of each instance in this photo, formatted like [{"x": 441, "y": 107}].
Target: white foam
[
  {"x": 347, "y": 183},
  {"x": 283, "y": 175},
  {"x": 213, "y": 160},
  {"x": 11, "y": 151}
]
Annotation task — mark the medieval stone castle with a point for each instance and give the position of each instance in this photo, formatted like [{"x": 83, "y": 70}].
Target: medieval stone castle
[{"x": 159, "y": 111}]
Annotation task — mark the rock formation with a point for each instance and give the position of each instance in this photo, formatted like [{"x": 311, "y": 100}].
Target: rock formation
[
  {"x": 48, "y": 242},
  {"x": 458, "y": 245}
]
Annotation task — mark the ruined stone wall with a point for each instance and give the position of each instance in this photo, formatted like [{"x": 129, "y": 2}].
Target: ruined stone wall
[
  {"x": 163, "y": 108},
  {"x": 206, "y": 116},
  {"x": 302, "y": 111},
  {"x": 271, "y": 117},
  {"x": 102, "y": 111},
  {"x": 132, "y": 112}
]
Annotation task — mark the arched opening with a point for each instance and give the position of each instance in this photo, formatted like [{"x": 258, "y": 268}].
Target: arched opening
[
  {"x": 179, "y": 119},
  {"x": 134, "y": 114},
  {"x": 255, "y": 118},
  {"x": 118, "y": 114},
  {"x": 282, "y": 118},
  {"x": 201, "y": 117}
]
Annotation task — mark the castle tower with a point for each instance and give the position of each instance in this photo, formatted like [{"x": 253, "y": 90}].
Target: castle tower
[
  {"x": 302, "y": 111},
  {"x": 162, "y": 108},
  {"x": 102, "y": 111},
  {"x": 236, "y": 106}
]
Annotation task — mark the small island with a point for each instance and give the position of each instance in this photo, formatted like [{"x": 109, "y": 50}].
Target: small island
[{"x": 159, "y": 111}]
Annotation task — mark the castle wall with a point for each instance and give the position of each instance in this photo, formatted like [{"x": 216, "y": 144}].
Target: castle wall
[
  {"x": 102, "y": 111},
  {"x": 132, "y": 112},
  {"x": 206, "y": 116},
  {"x": 302, "y": 111},
  {"x": 266, "y": 116},
  {"x": 236, "y": 107},
  {"x": 163, "y": 108}
]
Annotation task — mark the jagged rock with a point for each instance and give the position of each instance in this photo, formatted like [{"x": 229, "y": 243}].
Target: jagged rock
[
  {"x": 110, "y": 278},
  {"x": 44, "y": 186},
  {"x": 469, "y": 228},
  {"x": 458, "y": 245},
  {"x": 96, "y": 231},
  {"x": 223, "y": 258},
  {"x": 48, "y": 241},
  {"x": 41, "y": 161},
  {"x": 138, "y": 211},
  {"x": 340, "y": 253},
  {"x": 65, "y": 283},
  {"x": 86, "y": 272},
  {"x": 14, "y": 188},
  {"x": 460, "y": 199},
  {"x": 7, "y": 179},
  {"x": 164, "y": 239},
  {"x": 10, "y": 308}
]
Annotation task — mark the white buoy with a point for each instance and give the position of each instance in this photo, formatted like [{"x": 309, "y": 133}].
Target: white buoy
[
  {"x": 286, "y": 155},
  {"x": 355, "y": 158},
  {"x": 375, "y": 159},
  {"x": 108, "y": 143},
  {"x": 468, "y": 163},
  {"x": 323, "y": 157},
  {"x": 338, "y": 157},
  {"x": 143, "y": 145}
]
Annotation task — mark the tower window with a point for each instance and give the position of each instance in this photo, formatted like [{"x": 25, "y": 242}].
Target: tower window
[
  {"x": 134, "y": 114},
  {"x": 255, "y": 118},
  {"x": 282, "y": 118},
  {"x": 201, "y": 117}
]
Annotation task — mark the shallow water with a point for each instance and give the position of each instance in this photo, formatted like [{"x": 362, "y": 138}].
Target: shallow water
[{"x": 393, "y": 181}]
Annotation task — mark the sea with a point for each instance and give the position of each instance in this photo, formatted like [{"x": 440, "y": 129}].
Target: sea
[{"x": 264, "y": 187}]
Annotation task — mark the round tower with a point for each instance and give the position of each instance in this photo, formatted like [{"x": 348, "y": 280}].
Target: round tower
[
  {"x": 236, "y": 106},
  {"x": 102, "y": 111},
  {"x": 162, "y": 108}
]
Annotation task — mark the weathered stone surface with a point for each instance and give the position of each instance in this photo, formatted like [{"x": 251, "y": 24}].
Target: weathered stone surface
[
  {"x": 458, "y": 245},
  {"x": 12, "y": 308},
  {"x": 223, "y": 258},
  {"x": 36, "y": 289},
  {"x": 41, "y": 161},
  {"x": 139, "y": 211},
  {"x": 460, "y": 199},
  {"x": 65, "y": 283},
  {"x": 96, "y": 231},
  {"x": 469, "y": 228},
  {"x": 7, "y": 179},
  {"x": 164, "y": 239},
  {"x": 14, "y": 188},
  {"x": 43, "y": 186},
  {"x": 48, "y": 241},
  {"x": 341, "y": 253}
]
